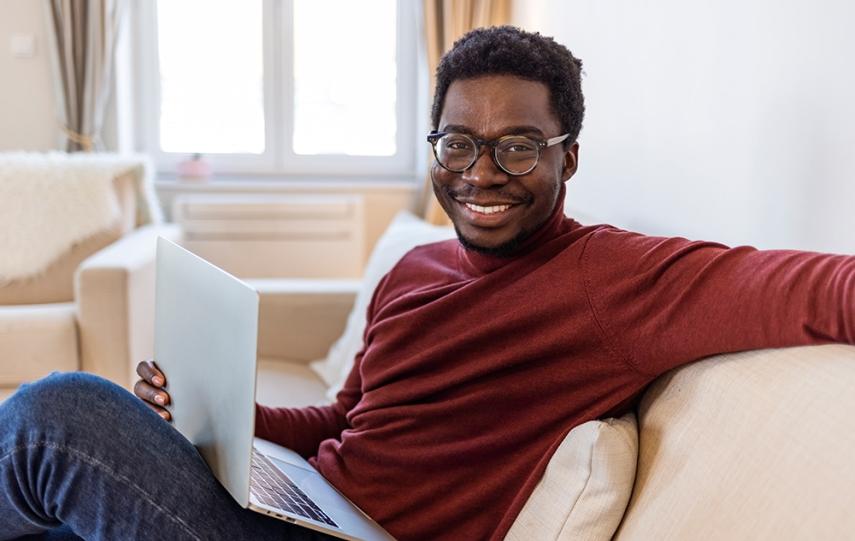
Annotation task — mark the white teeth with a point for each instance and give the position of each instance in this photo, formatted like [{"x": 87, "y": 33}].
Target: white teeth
[{"x": 487, "y": 210}]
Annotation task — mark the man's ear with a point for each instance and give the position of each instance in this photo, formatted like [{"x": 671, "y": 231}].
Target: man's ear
[{"x": 571, "y": 162}]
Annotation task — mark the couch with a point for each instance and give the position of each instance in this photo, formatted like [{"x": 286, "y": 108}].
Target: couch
[
  {"x": 753, "y": 445},
  {"x": 91, "y": 308}
]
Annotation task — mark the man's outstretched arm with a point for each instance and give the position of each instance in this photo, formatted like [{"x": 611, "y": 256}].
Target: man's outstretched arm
[{"x": 664, "y": 302}]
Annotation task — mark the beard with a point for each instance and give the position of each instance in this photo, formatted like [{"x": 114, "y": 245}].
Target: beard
[
  {"x": 447, "y": 196},
  {"x": 505, "y": 250}
]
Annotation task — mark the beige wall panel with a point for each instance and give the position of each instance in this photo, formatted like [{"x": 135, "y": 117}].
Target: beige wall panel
[{"x": 27, "y": 104}]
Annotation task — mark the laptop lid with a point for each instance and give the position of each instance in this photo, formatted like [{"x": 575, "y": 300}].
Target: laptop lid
[{"x": 205, "y": 336}]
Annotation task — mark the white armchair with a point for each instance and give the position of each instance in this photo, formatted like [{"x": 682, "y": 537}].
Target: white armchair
[
  {"x": 114, "y": 300},
  {"x": 92, "y": 308}
]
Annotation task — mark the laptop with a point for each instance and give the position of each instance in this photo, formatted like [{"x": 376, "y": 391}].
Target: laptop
[{"x": 206, "y": 331}]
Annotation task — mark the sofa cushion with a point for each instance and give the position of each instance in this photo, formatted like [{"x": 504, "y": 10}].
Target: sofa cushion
[
  {"x": 404, "y": 233},
  {"x": 754, "y": 445},
  {"x": 288, "y": 384},
  {"x": 586, "y": 486},
  {"x": 36, "y": 340}
]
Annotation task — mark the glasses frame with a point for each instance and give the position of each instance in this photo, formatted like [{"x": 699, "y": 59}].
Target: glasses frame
[{"x": 434, "y": 137}]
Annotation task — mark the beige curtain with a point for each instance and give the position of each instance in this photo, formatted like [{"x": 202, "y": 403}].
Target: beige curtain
[
  {"x": 84, "y": 41},
  {"x": 445, "y": 22}
]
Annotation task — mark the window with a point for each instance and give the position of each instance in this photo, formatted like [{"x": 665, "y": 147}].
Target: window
[
  {"x": 286, "y": 87},
  {"x": 211, "y": 89}
]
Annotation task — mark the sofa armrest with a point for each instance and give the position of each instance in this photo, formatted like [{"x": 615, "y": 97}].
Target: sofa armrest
[
  {"x": 299, "y": 319},
  {"x": 114, "y": 293}
]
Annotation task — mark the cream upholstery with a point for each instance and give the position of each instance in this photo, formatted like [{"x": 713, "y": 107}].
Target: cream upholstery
[
  {"x": 755, "y": 445},
  {"x": 288, "y": 384},
  {"x": 56, "y": 283},
  {"x": 36, "y": 340},
  {"x": 586, "y": 486},
  {"x": 299, "y": 319}
]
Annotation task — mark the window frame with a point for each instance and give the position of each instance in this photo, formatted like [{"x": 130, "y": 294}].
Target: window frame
[{"x": 279, "y": 158}]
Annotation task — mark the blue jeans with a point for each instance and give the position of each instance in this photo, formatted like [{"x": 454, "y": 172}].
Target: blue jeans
[{"x": 81, "y": 457}]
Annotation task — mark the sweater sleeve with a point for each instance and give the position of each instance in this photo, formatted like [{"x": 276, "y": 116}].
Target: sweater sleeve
[
  {"x": 663, "y": 302},
  {"x": 303, "y": 429}
]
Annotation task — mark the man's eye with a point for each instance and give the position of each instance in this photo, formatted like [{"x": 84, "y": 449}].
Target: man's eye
[
  {"x": 459, "y": 145},
  {"x": 518, "y": 148}
]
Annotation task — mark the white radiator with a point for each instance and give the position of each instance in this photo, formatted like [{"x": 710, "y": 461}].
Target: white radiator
[{"x": 260, "y": 236}]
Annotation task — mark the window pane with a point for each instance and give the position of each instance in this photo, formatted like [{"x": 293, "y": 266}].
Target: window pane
[
  {"x": 211, "y": 76},
  {"x": 344, "y": 77}
]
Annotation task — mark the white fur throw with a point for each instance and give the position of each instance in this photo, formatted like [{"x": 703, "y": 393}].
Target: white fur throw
[{"x": 49, "y": 202}]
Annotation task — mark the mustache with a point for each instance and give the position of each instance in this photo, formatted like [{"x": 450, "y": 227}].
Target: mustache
[{"x": 472, "y": 192}]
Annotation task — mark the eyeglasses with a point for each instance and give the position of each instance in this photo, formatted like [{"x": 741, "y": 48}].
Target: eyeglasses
[{"x": 513, "y": 154}]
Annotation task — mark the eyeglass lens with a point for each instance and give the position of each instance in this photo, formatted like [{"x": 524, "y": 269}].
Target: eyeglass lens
[{"x": 517, "y": 155}]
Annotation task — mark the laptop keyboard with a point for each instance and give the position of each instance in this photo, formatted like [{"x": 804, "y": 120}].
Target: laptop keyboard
[{"x": 274, "y": 488}]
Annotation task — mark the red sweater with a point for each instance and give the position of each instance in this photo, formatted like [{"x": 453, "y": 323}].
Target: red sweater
[{"x": 474, "y": 368}]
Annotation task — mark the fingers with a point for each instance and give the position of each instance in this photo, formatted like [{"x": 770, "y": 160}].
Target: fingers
[
  {"x": 151, "y": 394},
  {"x": 148, "y": 371},
  {"x": 164, "y": 414},
  {"x": 153, "y": 397},
  {"x": 150, "y": 388}
]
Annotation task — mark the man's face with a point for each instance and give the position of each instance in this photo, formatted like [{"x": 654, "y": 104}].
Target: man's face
[{"x": 489, "y": 107}]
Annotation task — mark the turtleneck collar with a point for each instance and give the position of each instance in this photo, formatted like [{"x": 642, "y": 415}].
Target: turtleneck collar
[{"x": 557, "y": 224}]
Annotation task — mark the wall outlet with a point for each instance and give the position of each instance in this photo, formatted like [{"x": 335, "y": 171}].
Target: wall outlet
[{"x": 22, "y": 45}]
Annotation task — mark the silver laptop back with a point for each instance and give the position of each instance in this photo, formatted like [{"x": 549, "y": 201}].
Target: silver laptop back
[
  {"x": 206, "y": 333},
  {"x": 217, "y": 417}
]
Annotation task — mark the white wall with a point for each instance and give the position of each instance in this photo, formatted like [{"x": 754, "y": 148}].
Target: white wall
[
  {"x": 723, "y": 120},
  {"x": 27, "y": 110}
]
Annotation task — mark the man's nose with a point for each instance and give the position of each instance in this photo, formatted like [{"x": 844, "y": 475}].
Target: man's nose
[{"x": 484, "y": 172}]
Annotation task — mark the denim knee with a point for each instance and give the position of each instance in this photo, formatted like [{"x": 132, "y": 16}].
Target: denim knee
[{"x": 60, "y": 399}]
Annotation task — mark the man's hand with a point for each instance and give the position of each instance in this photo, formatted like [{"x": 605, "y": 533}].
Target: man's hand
[{"x": 150, "y": 388}]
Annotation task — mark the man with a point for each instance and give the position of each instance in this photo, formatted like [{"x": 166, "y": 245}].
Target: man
[{"x": 479, "y": 355}]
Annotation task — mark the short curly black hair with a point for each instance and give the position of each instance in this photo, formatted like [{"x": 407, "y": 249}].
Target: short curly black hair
[{"x": 507, "y": 50}]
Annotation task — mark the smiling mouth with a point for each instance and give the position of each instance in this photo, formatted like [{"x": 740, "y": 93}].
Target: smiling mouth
[
  {"x": 490, "y": 215},
  {"x": 492, "y": 209}
]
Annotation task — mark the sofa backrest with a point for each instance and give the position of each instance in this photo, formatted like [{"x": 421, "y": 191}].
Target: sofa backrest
[
  {"x": 754, "y": 445},
  {"x": 56, "y": 283}
]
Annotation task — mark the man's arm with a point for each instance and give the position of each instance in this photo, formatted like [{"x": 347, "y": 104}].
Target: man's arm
[{"x": 664, "y": 302}]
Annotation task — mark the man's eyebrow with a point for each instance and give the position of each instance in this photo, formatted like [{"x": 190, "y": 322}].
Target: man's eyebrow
[
  {"x": 510, "y": 130},
  {"x": 523, "y": 130},
  {"x": 456, "y": 128}
]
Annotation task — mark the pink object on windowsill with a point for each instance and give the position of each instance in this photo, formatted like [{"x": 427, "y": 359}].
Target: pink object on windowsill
[{"x": 196, "y": 168}]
